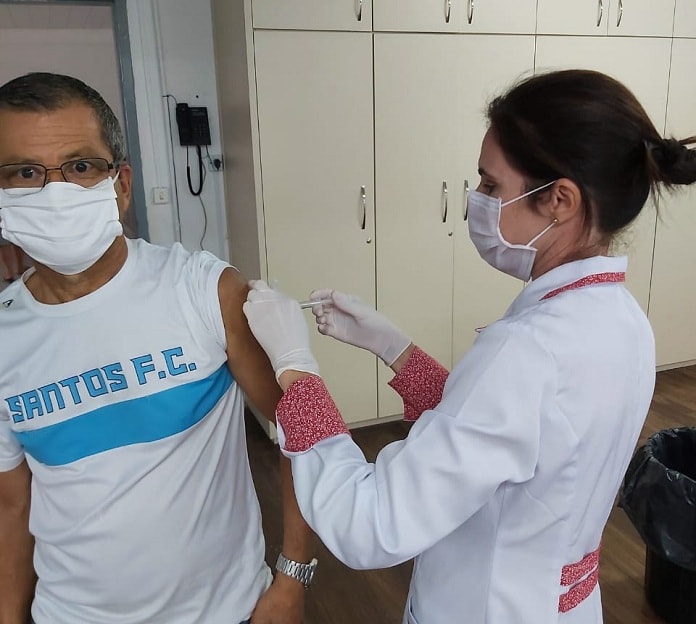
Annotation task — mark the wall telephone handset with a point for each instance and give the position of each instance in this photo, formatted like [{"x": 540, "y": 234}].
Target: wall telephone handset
[{"x": 192, "y": 121}]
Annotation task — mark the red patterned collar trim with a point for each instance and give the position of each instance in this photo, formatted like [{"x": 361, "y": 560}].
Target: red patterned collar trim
[{"x": 589, "y": 280}]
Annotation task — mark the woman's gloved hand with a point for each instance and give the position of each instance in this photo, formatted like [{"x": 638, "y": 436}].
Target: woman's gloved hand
[
  {"x": 279, "y": 326},
  {"x": 346, "y": 318}
]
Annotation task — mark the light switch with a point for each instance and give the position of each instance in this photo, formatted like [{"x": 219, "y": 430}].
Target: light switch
[{"x": 160, "y": 195}]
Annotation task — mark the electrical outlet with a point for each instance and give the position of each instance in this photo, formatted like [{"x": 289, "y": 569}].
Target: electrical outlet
[
  {"x": 214, "y": 162},
  {"x": 160, "y": 195}
]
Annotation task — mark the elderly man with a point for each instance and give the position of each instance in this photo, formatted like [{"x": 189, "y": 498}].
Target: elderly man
[{"x": 122, "y": 448}]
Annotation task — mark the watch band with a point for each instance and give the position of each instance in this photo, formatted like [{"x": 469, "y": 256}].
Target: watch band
[{"x": 302, "y": 572}]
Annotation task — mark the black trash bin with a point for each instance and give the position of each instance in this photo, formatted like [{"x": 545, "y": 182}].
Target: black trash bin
[{"x": 659, "y": 497}]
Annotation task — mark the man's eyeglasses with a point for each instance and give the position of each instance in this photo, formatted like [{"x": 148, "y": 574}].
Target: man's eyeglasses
[{"x": 84, "y": 171}]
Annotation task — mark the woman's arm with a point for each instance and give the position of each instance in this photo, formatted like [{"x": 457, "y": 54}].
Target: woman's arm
[
  {"x": 419, "y": 378},
  {"x": 419, "y": 381},
  {"x": 484, "y": 433}
]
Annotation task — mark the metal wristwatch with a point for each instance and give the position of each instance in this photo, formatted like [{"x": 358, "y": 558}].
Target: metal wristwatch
[{"x": 302, "y": 572}]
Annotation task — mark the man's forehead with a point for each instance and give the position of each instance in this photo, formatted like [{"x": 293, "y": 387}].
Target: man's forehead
[
  {"x": 73, "y": 110},
  {"x": 63, "y": 131}
]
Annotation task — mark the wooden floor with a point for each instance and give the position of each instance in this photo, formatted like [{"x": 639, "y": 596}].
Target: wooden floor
[{"x": 344, "y": 596}]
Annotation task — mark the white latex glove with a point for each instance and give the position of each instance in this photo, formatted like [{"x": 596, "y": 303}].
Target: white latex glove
[
  {"x": 348, "y": 319},
  {"x": 280, "y": 328}
]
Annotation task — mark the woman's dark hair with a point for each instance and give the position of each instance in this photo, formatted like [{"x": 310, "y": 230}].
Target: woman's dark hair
[
  {"x": 40, "y": 91},
  {"x": 589, "y": 128}
]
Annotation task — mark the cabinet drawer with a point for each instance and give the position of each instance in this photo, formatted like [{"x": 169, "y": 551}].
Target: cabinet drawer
[{"x": 312, "y": 14}]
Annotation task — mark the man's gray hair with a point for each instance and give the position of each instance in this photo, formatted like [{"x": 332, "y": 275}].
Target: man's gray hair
[{"x": 42, "y": 91}]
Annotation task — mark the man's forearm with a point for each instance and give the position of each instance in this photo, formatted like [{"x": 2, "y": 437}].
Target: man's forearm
[
  {"x": 298, "y": 539},
  {"x": 17, "y": 577}
]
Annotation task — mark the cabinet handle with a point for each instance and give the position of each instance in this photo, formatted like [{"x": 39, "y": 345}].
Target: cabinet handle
[
  {"x": 363, "y": 204},
  {"x": 359, "y": 10},
  {"x": 465, "y": 212},
  {"x": 600, "y": 11},
  {"x": 445, "y": 201},
  {"x": 470, "y": 15},
  {"x": 620, "y": 15},
  {"x": 448, "y": 11}
]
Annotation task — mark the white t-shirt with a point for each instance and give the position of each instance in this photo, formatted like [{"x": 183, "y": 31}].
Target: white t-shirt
[{"x": 143, "y": 507}]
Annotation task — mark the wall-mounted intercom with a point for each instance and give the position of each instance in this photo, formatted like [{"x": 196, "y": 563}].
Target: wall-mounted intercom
[{"x": 192, "y": 121}]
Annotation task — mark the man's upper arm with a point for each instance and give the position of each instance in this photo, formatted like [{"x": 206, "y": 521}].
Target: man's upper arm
[
  {"x": 246, "y": 359},
  {"x": 11, "y": 451},
  {"x": 15, "y": 488}
]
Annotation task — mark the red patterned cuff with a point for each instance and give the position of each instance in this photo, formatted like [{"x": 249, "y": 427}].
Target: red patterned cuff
[
  {"x": 419, "y": 383},
  {"x": 308, "y": 415}
]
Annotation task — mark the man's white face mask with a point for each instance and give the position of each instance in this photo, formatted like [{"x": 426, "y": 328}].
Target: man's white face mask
[
  {"x": 483, "y": 216},
  {"x": 64, "y": 226}
]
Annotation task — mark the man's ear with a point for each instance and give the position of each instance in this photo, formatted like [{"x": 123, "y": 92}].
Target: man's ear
[
  {"x": 561, "y": 201},
  {"x": 124, "y": 189}
]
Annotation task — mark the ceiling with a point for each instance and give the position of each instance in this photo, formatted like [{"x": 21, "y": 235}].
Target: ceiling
[{"x": 54, "y": 16}]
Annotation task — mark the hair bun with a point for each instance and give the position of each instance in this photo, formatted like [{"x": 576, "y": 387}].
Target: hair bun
[
  {"x": 676, "y": 162},
  {"x": 668, "y": 152}
]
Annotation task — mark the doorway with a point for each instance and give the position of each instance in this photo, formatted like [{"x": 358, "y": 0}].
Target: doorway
[{"x": 87, "y": 39}]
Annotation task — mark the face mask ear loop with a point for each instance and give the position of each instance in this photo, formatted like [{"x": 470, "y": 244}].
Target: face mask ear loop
[
  {"x": 540, "y": 234},
  {"x": 527, "y": 194}
]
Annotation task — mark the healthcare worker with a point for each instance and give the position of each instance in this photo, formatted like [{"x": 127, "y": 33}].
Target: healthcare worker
[{"x": 504, "y": 484}]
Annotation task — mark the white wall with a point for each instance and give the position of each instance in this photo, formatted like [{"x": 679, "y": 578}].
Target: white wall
[
  {"x": 87, "y": 54},
  {"x": 172, "y": 52}
]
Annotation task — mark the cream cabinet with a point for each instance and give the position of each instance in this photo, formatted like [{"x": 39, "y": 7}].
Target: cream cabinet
[
  {"x": 600, "y": 17},
  {"x": 572, "y": 17},
  {"x": 303, "y": 137},
  {"x": 475, "y": 16},
  {"x": 351, "y": 135},
  {"x": 428, "y": 128},
  {"x": 673, "y": 296},
  {"x": 685, "y": 19},
  {"x": 312, "y": 14},
  {"x": 314, "y": 106},
  {"x": 643, "y": 18},
  {"x": 417, "y": 96},
  {"x": 410, "y": 15}
]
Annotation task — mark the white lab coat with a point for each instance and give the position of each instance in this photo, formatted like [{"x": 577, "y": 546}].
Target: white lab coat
[{"x": 514, "y": 473}]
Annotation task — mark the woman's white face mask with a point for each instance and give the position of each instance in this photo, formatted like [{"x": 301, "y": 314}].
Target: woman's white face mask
[
  {"x": 64, "y": 226},
  {"x": 483, "y": 216}
]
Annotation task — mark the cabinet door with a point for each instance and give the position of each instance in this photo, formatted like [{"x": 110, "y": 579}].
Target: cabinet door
[
  {"x": 641, "y": 18},
  {"x": 642, "y": 64},
  {"x": 314, "y": 93},
  {"x": 482, "y": 16},
  {"x": 418, "y": 162},
  {"x": 313, "y": 14},
  {"x": 429, "y": 123},
  {"x": 420, "y": 15},
  {"x": 481, "y": 293},
  {"x": 685, "y": 18},
  {"x": 572, "y": 17},
  {"x": 673, "y": 296},
  {"x": 500, "y": 16}
]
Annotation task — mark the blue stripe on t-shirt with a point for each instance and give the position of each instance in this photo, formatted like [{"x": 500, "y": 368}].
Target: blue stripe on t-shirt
[{"x": 144, "y": 419}]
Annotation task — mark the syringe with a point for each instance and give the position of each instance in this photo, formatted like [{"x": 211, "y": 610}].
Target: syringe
[{"x": 310, "y": 303}]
